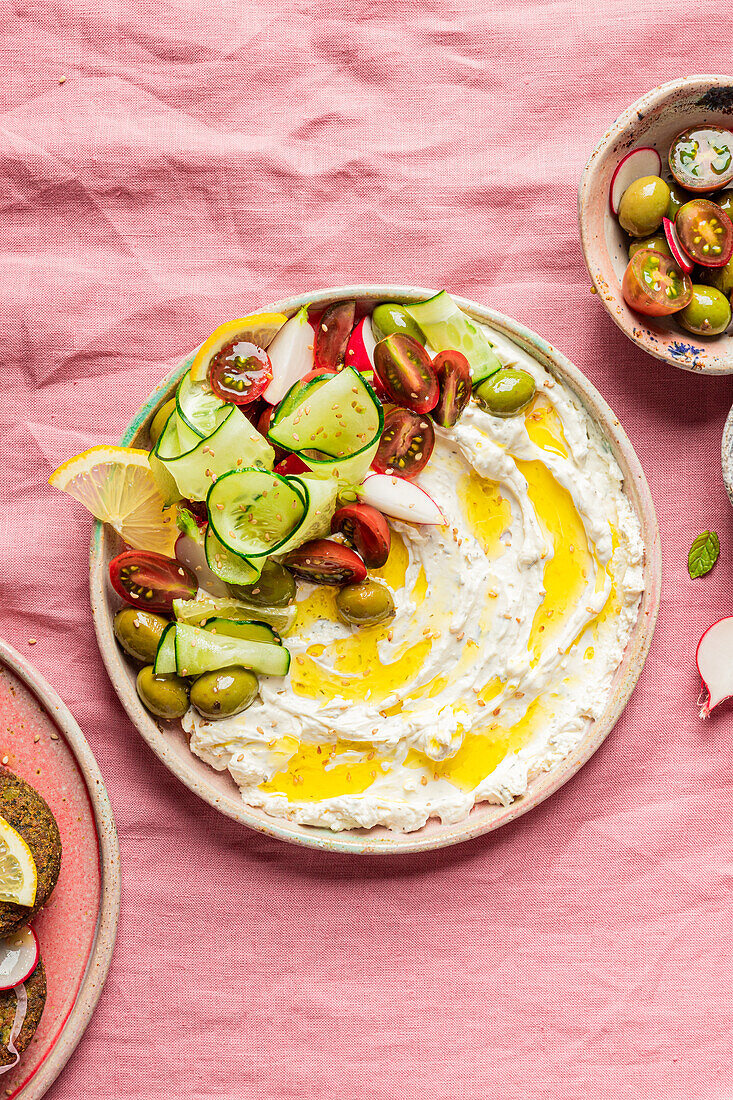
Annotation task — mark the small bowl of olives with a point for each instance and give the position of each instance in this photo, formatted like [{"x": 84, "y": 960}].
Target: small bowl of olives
[{"x": 655, "y": 206}]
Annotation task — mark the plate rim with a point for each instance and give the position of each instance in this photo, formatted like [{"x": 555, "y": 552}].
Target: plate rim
[
  {"x": 359, "y": 842},
  {"x": 100, "y": 956}
]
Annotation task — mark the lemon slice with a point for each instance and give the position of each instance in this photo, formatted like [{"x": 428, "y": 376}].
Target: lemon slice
[
  {"x": 18, "y": 876},
  {"x": 260, "y": 328},
  {"x": 117, "y": 485}
]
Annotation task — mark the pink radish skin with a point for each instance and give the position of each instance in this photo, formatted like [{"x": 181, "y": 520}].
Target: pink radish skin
[
  {"x": 291, "y": 355},
  {"x": 192, "y": 554},
  {"x": 360, "y": 349},
  {"x": 637, "y": 163},
  {"x": 400, "y": 499},
  {"x": 18, "y": 957},
  {"x": 715, "y": 663},
  {"x": 675, "y": 247}
]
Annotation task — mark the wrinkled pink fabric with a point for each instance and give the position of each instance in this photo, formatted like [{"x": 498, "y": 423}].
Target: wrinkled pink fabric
[{"x": 201, "y": 160}]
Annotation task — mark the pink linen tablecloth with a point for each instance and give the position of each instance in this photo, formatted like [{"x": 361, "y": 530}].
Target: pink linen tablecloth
[{"x": 197, "y": 161}]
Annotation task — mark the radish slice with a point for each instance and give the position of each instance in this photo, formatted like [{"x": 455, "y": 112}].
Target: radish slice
[
  {"x": 400, "y": 499},
  {"x": 361, "y": 345},
  {"x": 193, "y": 555},
  {"x": 715, "y": 663},
  {"x": 675, "y": 247},
  {"x": 637, "y": 163},
  {"x": 18, "y": 957},
  {"x": 291, "y": 355}
]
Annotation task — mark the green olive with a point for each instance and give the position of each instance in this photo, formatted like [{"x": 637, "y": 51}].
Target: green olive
[
  {"x": 275, "y": 588},
  {"x": 139, "y": 632},
  {"x": 507, "y": 392},
  {"x": 719, "y": 277},
  {"x": 677, "y": 198},
  {"x": 708, "y": 312},
  {"x": 163, "y": 696},
  {"x": 224, "y": 692},
  {"x": 159, "y": 421},
  {"x": 658, "y": 242},
  {"x": 365, "y": 604},
  {"x": 643, "y": 205},
  {"x": 390, "y": 318},
  {"x": 724, "y": 199}
]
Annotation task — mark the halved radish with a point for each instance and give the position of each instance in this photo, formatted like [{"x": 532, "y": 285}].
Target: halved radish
[
  {"x": 291, "y": 356},
  {"x": 637, "y": 163},
  {"x": 715, "y": 663},
  {"x": 191, "y": 553},
  {"x": 361, "y": 345},
  {"x": 400, "y": 499},
  {"x": 675, "y": 247},
  {"x": 18, "y": 957}
]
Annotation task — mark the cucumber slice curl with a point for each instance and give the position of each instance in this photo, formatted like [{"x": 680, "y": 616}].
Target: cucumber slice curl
[{"x": 446, "y": 327}]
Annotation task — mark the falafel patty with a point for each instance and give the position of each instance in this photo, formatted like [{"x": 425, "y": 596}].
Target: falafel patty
[
  {"x": 35, "y": 988},
  {"x": 29, "y": 815}
]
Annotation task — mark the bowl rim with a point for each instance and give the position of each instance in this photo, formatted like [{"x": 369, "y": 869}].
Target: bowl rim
[
  {"x": 586, "y": 189},
  {"x": 726, "y": 455},
  {"x": 485, "y": 817}
]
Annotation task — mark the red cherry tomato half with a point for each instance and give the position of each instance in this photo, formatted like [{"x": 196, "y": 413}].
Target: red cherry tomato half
[
  {"x": 406, "y": 445},
  {"x": 366, "y": 529},
  {"x": 701, "y": 158},
  {"x": 151, "y": 581},
  {"x": 454, "y": 377},
  {"x": 291, "y": 464},
  {"x": 705, "y": 232},
  {"x": 332, "y": 336},
  {"x": 654, "y": 285},
  {"x": 324, "y": 562},
  {"x": 263, "y": 420},
  {"x": 406, "y": 373},
  {"x": 240, "y": 372},
  {"x": 322, "y": 373}
]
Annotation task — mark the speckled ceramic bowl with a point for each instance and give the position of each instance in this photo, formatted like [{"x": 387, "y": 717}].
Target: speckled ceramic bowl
[
  {"x": 171, "y": 744},
  {"x": 654, "y": 120}
]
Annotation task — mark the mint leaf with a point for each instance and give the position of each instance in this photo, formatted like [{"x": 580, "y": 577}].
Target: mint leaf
[{"x": 703, "y": 554}]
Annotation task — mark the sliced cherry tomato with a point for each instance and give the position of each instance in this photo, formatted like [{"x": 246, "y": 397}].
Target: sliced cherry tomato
[
  {"x": 291, "y": 464},
  {"x": 705, "y": 232},
  {"x": 150, "y": 581},
  {"x": 406, "y": 373},
  {"x": 454, "y": 376},
  {"x": 653, "y": 284},
  {"x": 366, "y": 529},
  {"x": 199, "y": 509},
  {"x": 263, "y": 420},
  {"x": 701, "y": 158},
  {"x": 322, "y": 561},
  {"x": 406, "y": 445},
  {"x": 321, "y": 373},
  {"x": 332, "y": 336},
  {"x": 240, "y": 372}
]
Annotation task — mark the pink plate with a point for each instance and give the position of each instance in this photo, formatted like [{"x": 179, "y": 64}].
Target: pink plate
[{"x": 42, "y": 743}]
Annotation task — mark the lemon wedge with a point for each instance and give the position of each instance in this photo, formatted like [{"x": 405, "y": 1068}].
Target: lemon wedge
[
  {"x": 260, "y": 328},
  {"x": 117, "y": 485},
  {"x": 18, "y": 876}
]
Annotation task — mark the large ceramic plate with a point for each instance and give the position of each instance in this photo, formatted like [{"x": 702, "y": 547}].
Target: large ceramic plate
[
  {"x": 217, "y": 788},
  {"x": 77, "y": 929}
]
